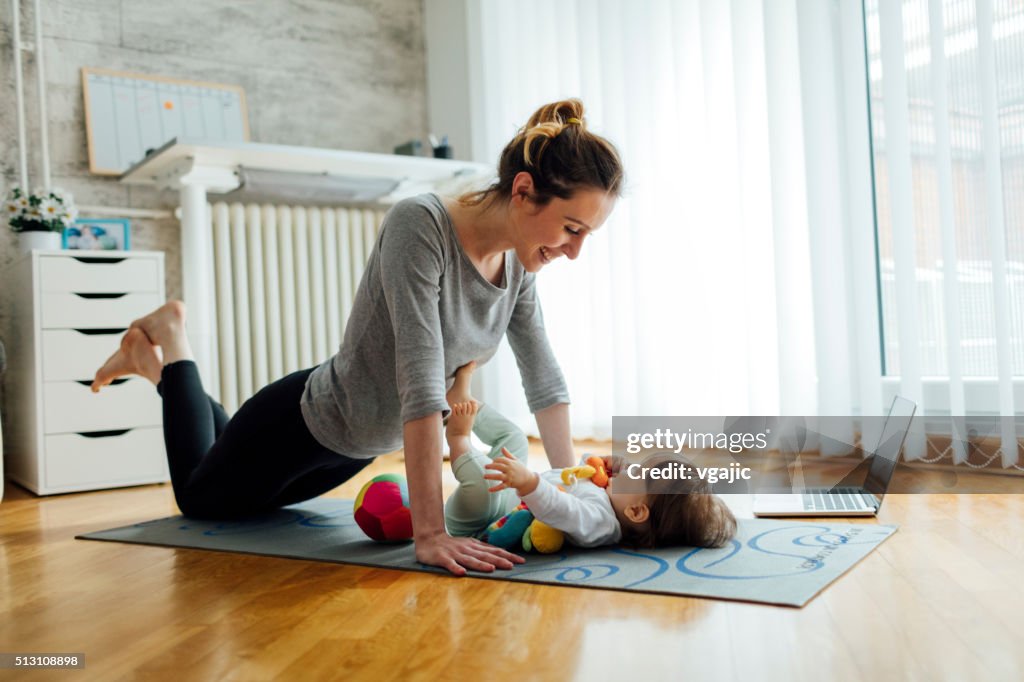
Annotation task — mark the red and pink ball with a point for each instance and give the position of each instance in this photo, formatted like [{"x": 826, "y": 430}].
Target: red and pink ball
[{"x": 382, "y": 509}]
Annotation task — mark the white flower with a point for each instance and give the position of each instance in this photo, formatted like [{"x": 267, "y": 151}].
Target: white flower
[
  {"x": 12, "y": 208},
  {"x": 50, "y": 209},
  {"x": 62, "y": 195}
]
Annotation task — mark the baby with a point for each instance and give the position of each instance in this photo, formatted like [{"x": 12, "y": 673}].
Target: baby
[{"x": 685, "y": 514}]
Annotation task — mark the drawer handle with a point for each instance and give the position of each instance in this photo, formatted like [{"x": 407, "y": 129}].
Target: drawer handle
[
  {"x": 101, "y": 295},
  {"x": 88, "y": 382},
  {"x": 98, "y": 332},
  {"x": 103, "y": 434},
  {"x": 93, "y": 260}
]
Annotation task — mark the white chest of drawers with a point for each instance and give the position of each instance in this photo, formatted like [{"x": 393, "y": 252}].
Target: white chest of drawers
[{"x": 68, "y": 310}]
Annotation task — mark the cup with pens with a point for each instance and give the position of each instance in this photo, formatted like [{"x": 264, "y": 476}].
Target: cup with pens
[{"x": 442, "y": 150}]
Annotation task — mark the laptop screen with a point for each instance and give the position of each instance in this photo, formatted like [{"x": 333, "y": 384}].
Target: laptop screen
[{"x": 887, "y": 452}]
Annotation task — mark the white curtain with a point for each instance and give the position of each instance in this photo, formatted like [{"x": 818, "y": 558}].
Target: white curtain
[
  {"x": 945, "y": 84},
  {"x": 737, "y": 275}
]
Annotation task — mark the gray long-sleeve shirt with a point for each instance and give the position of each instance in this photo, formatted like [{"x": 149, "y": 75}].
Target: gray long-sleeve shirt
[{"x": 422, "y": 311}]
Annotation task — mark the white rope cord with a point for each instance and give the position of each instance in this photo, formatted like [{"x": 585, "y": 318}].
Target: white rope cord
[{"x": 948, "y": 452}]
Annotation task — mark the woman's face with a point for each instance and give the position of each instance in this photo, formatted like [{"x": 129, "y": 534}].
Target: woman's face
[{"x": 558, "y": 229}]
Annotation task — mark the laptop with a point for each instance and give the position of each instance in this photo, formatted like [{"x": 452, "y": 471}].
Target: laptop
[{"x": 862, "y": 500}]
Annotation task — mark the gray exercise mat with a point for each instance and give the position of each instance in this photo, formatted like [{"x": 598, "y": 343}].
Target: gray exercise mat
[{"x": 770, "y": 561}]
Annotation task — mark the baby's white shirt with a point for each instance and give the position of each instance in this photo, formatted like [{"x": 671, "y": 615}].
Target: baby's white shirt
[{"x": 583, "y": 512}]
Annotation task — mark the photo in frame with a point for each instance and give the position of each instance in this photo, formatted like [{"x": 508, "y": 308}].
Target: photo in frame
[{"x": 97, "y": 234}]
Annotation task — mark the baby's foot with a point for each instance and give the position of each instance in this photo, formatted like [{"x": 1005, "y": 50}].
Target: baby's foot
[
  {"x": 135, "y": 356},
  {"x": 460, "y": 390},
  {"x": 460, "y": 421},
  {"x": 460, "y": 426}
]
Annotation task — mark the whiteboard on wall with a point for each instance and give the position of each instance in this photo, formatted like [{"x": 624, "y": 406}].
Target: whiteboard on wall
[{"x": 128, "y": 114}]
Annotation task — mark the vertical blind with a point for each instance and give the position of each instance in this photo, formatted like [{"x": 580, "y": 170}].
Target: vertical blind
[{"x": 946, "y": 82}]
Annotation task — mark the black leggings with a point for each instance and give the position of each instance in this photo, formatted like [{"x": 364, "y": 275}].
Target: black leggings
[{"x": 261, "y": 459}]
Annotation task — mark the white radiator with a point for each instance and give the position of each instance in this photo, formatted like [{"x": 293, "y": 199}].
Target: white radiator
[{"x": 285, "y": 280}]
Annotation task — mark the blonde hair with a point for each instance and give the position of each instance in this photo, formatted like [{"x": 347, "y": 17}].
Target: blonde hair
[{"x": 559, "y": 153}]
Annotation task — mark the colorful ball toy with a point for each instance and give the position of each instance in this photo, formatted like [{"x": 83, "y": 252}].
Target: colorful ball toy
[{"x": 382, "y": 509}]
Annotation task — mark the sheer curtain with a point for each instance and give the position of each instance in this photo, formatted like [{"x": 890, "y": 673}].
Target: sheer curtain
[
  {"x": 946, "y": 102},
  {"x": 737, "y": 275}
]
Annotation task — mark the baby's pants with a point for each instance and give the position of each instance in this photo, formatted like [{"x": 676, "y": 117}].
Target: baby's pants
[{"x": 471, "y": 508}]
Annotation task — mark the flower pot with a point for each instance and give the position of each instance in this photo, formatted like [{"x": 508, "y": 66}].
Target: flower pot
[{"x": 38, "y": 240}]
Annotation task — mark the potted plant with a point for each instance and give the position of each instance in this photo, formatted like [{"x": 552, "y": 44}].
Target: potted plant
[{"x": 39, "y": 217}]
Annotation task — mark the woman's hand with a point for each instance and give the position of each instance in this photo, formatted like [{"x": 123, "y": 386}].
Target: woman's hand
[
  {"x": 458, "y": 554},
  {"x": 433, "y": 544},
  {"x": 511, "y": 473}
]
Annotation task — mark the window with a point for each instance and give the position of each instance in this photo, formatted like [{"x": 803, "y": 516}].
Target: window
[{"x": 938, "y": 133}]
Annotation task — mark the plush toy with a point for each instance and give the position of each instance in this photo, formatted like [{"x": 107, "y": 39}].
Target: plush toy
[
  {"x": 543, "y": 538},
  {"x": 519, "y": 528},
  {"x": 382, "y": 509},
  {"x": 507, "y": 532},
  {"x": 593, "y": 469}
]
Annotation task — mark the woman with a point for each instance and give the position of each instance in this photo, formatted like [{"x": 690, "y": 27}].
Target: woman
[{"x": 446, "y": 280}]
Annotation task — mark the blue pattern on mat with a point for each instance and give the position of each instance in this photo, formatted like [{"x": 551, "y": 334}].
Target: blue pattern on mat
[{"x": 772, "y": 561}]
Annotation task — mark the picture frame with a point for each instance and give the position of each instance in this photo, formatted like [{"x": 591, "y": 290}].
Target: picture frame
[{"x": 97, "y": 234}]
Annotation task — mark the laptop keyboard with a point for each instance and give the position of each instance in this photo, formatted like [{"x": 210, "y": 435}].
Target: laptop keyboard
[{"x": 840, "y": 500}]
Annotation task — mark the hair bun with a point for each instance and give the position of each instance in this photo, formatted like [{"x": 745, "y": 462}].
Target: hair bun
[
  {"x": 559, "y": 113},
  {"x": 580, "y": 160}
]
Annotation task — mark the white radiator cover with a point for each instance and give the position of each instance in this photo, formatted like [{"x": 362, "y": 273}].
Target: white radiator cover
[{"x": 285, "y": 278}]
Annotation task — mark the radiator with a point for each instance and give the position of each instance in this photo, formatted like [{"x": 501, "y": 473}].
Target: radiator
[{"x": 285, "y": 278}]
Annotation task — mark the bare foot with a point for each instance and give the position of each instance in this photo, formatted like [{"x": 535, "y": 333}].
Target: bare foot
[
  {"x": 460, "y": 390},
  {"x": 165, "y": 321},
  {"x": 165, "y": 327},
  {"x": 460, "y": 426},
  {"x": 135, "y": 356}
]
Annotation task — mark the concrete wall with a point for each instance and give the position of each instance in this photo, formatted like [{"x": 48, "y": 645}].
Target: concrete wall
[{"x": 344, "y": 74}]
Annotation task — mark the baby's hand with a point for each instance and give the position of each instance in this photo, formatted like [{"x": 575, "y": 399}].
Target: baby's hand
[
  {"x": 612, "y": 464},
  {"x": 511, "y": 473}
]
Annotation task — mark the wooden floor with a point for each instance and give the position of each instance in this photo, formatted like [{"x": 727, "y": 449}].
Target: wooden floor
[{"x": 940, "y": 600}]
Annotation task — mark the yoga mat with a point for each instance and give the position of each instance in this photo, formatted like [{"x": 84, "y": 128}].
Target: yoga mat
[{"x": 770, "y": 561}]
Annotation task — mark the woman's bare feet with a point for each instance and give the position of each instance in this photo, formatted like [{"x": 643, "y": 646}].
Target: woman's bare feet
[
  {"x": 165, "y": 327},
  {"x": 151, "y": 342},
  {"x": 460, "y": 426},
  {"x": 135, "y": 356}
]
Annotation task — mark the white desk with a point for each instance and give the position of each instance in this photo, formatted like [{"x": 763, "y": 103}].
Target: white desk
[{"x": 195, "y": 168}]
